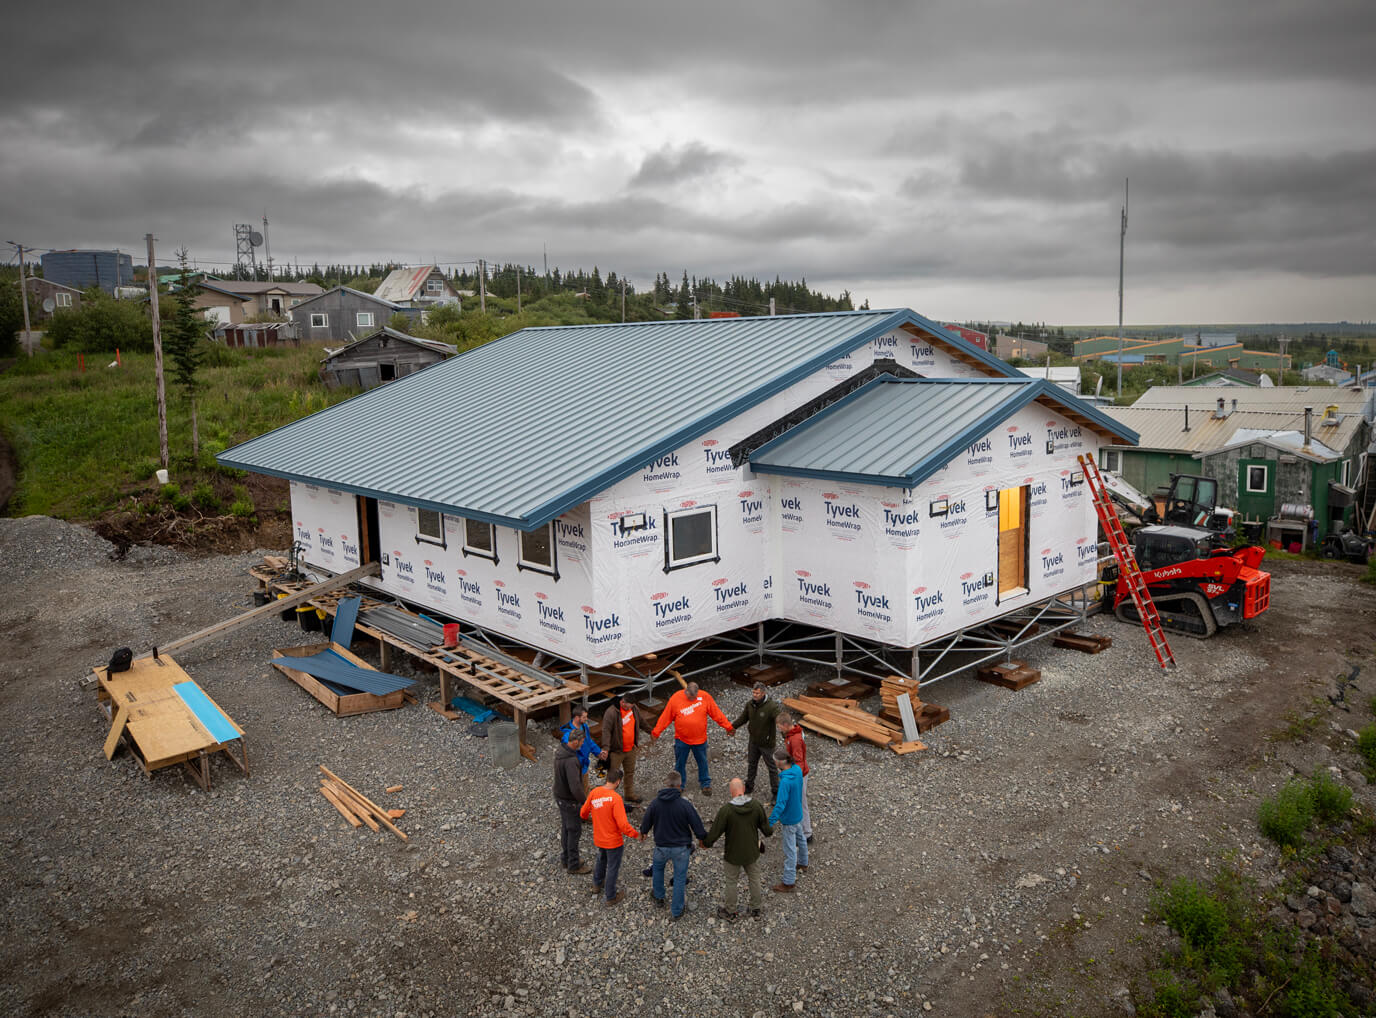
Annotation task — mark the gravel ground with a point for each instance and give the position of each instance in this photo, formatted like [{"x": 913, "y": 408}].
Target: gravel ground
[{"x": 969, "y": 879}]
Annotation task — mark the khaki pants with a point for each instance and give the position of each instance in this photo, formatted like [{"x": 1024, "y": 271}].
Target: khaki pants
[
  {"x": 752, "y": 877},
  {"x": 625, "y": 762}
]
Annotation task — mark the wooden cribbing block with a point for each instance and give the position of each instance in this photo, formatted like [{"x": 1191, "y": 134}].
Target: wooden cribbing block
[
  {"x": 1010, "y": 675},
  {"x": 903, "y": 748},
  {"x": 1083, "y": 642},
  {"x": 847, "y": 690},
  {"x": 769, "y": 674}
]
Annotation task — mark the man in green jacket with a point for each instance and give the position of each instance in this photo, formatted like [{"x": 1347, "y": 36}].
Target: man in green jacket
[
  {"x": 760, "y": 716},
  {"x": 743, "y": 822}
]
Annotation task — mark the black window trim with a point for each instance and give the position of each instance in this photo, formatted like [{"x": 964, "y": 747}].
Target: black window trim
[
  {"x": 669, "y": 516},
  {"x": 552, "y": 569},
  {"x": 441, "y": 541},
  {"x": 467, "y": 549}
]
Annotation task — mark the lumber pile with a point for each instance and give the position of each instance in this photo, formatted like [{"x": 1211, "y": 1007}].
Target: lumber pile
[
  {"x": 357, "y": 808},
  {"x": 1010, "y": 674},
  {"x": 1083, "y": 642},
  {"x": 926, "y": 715},
  {"x": 844, "y": 721}
]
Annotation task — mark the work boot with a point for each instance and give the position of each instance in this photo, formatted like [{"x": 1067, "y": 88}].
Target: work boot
[
  {"x": 596, "y": 888},
  {"x": 659, "y": 902},
  {"x": 707, "y": 791},
  {"x": 615, "y": 898},
  {"x": 781, "y": 887},
  {"x": 722, "y": 913},
  {"x": 580, "y": 869},
  {"x": 802, "y": 868},
  {"x": 754, "y": 913}
]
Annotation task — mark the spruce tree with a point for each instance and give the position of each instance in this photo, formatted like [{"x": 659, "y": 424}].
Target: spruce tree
[{"x": 185, "y": 336}]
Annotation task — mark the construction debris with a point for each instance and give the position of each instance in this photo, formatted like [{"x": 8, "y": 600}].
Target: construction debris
[
  {"x": 844, "y": 721},
  {"x": 355, "y": 807}
]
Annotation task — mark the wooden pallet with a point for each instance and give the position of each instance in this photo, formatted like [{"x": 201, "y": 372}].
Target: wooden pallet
[
  {"x": 769, "y": 674},
  {"x": 1083, "y": 642},
  {"x": 342, "y": 704},
  {"x": 849, "y": 689},
  {"x": 928, "y": 716},
  {"x": 1009, "y": 675}
]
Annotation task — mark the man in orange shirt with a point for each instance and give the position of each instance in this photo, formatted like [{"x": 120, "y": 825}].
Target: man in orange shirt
[
  {"x": 688, "y": 711},
  {"x": 610, "y": 828},
  {"x": 621, "y": 733}
]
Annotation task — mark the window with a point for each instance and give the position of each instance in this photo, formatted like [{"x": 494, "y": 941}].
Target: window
[
  {"x": 1256, "y": 479},
  {"x": 1346, "y": 473},
  {"x": 430, "y": 527},
  {"x": 64, "y": 300},
  {"x": 364, "y": 319},
  {"x": 537, "y": 551},
  {"x": 690, "y": 537},
  {"x": 1110, "y": 459},
  {"x": 480, "y": 539},
  {"x": 434, "y": 286},
  {"x": 319, "y": 321}
]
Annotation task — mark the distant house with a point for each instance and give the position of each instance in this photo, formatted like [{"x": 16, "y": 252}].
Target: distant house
[
  {"x": 344, "y": 314},
  {"x": 381, "y": 356},
  {"x": 1325, "y": 374},
  {"x": 41, "y": 291},
  {"x": 1067, "y": 378},
  {"x": 980, "y": 339},
  {"x": 1011, "y": 347},
  {"x": 231, "y": 301},
  {"x": 1230, "y": 377},
  {"x": 420, "y": 286},
  {"x": 255, "y": 335}
]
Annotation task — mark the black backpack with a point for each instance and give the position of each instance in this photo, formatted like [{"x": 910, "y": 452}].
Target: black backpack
[{"x": 120, "y": 661}]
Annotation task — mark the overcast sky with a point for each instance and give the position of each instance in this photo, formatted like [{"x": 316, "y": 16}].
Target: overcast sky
[{"x": 965, "y": 159}]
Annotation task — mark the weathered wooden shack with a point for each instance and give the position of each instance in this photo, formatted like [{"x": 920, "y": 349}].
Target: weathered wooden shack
[{"x": 379, "y": 357}]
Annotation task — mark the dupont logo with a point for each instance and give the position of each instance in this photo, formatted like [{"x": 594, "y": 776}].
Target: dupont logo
[
  {"x": 721, "y": 582},
  {"x": 542, "y": 597},
  {"x": 709, "y": 441},
  {"x": 428, "y": 562},
  {"x": 744, "y": 494},
  {"x": 498, "y": 583},
  {"x": 660, "y": 596},
  {"x": 460, "y": 572},
  {"x": 801, "y": 572},
  {"x": 889, "y": 505},
  {"x": 1012, "y": 429},
  {"x": 687, "y": 505},
  {"x": 587, "y": 609},
  {"x": 830, "y": 494}
]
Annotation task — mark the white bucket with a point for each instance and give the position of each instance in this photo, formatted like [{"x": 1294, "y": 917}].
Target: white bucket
[{"x": 162, "y": 476}]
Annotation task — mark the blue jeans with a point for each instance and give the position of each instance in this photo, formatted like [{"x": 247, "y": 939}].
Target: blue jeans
[
  {"x": 795, "y": 851},
  {"x": 605, "y": 872},
  {"x": 678, "y": 855},
  {"x": 681, "y": 749}
]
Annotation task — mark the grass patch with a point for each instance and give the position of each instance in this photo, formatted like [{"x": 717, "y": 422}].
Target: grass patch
[
  {"x": 1299, "y": 727},
  {"x": 1285, "y": 818},
  {"x": 1332, "y": 800},
  {"x": 1366, "y": 744},
  {"x": 84, "y": 439}
]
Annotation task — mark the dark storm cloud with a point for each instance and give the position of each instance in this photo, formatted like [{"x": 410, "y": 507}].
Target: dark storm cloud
[{"x": 670, "y": 165}]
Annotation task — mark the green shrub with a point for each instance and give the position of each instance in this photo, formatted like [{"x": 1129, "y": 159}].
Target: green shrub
[
  {"x": 1332, "y": 800},
  {"x": 1195, "y": 914},
  {"x": 1169, "y": 998},
  {"x": 1313, "y": 992},
  {"x": 180, "y": 502},
  {"x": 144, "y": 469},
  {"x": 243, "y": 508},
  {"x": 1285, "y": 818},
  {"x": 204, "y": 496},
  {"x": 170, "y": 492},
  {"x": 1366, "y": 743}
]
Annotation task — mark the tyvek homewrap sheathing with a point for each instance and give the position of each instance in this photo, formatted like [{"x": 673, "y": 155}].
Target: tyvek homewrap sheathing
[
  {"x": 325, "y": 525},
  {"x": 874, "y": 564}
]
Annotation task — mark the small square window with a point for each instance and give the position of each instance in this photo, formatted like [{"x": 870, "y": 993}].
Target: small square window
[
  {"x": 939, "y": 507},
  {"x": 364, "y": 319},
  {"x": 691, "y": 537},
  {"x": 434, "y": 286},
  {"x": 537, "y": 550},
  {"x": 1256, "y": 479},
  {"x": 480, "y": 539},
  {"x": 1109, "y": 460},
  {"x": 430, "y": 527},
  {"x": 64, "y": 300},
  {"x": 319, "y": 321},
  {"x": 991, "y": 500}
]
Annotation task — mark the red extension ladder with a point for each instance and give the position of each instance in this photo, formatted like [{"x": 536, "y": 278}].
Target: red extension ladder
[{"x": 1127, "y": 563}]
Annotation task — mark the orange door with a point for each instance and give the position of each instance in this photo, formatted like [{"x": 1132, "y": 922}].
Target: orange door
[{"x": 1012, "y": 539}]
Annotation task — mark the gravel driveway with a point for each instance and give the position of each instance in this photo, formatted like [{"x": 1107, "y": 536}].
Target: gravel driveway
[{"x": 959, "y": 881}]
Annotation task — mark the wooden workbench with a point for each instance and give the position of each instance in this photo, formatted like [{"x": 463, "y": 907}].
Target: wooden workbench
[{"x": 166, "y": 719}]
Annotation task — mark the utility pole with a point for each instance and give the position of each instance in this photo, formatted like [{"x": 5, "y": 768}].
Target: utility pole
[
  {"x": 267, "y": 248},
  {"x": 1122, "y": 238},
  {"x": 157, "y": 352},
  {"x": 482, "y": 285},
  {"x": 772, "y": 312},
  {"x": 518, "y": 289},
  {"x": 24, "y": 299},
  {"x": 623, "y": 300},
  {"x": 545, "y": 249}
]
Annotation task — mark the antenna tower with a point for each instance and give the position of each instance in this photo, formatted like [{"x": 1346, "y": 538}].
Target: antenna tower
[{"x": 244, "y": 261}]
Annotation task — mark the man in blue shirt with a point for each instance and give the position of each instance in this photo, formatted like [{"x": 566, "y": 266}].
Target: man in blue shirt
[
  {"x": 788, "y": 816},
  {"x": 579, "y": 723}
]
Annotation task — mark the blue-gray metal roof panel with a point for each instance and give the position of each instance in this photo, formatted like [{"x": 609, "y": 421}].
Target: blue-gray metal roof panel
[
  {"x": 524, "y": 428},
  {"x": 899, "y": 432}
]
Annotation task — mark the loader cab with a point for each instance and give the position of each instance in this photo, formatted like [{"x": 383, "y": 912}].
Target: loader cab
[
  {"x": 1156, "y": 547},
  {"x": 1192, "y": 501}
]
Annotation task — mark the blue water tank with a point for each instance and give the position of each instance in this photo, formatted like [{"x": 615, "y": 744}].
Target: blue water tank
[{"x": 83, "y": 269}]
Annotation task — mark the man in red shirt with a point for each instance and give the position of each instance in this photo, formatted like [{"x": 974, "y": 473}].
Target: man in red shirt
[
  {"x": 610, "y": 828},
  {"x": 688, "y": 711},
  {"x": 797, "y": 750},
  {"x": 621, "y": 735}
]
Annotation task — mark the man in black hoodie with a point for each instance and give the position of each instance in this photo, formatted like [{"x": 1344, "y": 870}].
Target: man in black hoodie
[
  {"x": 675, "y": 822},
  {"x": 568, "y": 796}
]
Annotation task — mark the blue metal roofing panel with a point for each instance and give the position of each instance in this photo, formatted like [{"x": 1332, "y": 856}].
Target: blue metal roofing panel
[
  {"x": 525, "y": 428},
  {"x": 899, "y": 432}
]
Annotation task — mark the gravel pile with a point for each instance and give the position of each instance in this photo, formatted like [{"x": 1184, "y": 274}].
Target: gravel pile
[{"x": 936, "y": 880}]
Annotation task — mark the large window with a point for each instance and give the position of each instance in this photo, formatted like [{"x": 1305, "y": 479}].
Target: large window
[
  {"x": 1256, "y": 479},
  {"x": 537, "y": 551},
  {"x": 434, "y": 286},
  {"x": 364, "y": 319},
  {"x": 319, "y": 321},
  {"x": 430, "y": 527},
  {"x": 690, "y": 537},
  {"x": 480, "y": 539}
]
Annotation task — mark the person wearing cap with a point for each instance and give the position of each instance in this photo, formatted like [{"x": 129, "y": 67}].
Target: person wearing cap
[
  {"x": 621, "y": 733},
  {"x": 788, "y": 814},
  {"x": 758, "y": 717},
  {"x": 589, "y": 748},
  {"x": 796, "y": 745}
]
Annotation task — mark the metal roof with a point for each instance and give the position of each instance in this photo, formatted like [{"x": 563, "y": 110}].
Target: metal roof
[
  {"x": 348, "y": 289},
  {"x": 926, "y": 424},
  {"x": 1163, "y": 428},
  {"x": 401, "y": 284},
  {"x": 1277, "y": 398},
  {"x": 525, "y": 428},
  {"x": 253, "y": 288},
  {"x": 434, "y": 345}
]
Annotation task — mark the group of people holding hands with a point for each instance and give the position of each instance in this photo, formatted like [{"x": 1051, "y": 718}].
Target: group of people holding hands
[{"x": 741, "y": 823}]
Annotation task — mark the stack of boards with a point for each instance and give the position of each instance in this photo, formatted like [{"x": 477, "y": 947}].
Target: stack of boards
[
  {"x": 844, "y": 721},
  {"x": 356, "y": 807}
]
